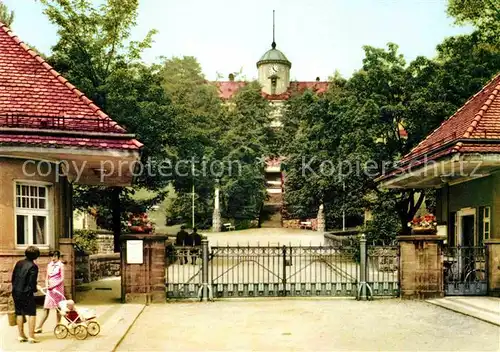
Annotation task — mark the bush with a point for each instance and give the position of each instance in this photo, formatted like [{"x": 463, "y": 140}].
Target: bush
[
  {"x": 86, "y": 240},
  {"x": 245, "y": 224}
]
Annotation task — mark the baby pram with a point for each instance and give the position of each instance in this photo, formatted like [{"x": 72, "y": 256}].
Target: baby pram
[{"x": 79, "y": 323}]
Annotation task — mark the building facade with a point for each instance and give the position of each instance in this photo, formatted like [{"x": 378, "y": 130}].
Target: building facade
[
  {"x": 51, "y": 137},
  {"x": 461, "y": 160}
]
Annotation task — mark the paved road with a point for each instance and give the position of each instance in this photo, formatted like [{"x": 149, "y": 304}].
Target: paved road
[
  {"x": 307, "y": 325},
  {"x": 265, "y": 236}
]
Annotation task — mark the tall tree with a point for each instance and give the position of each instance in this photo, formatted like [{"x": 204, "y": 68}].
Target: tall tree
[
  {"x": 245, "y": 143},
  {"x": 95, "y": 53},
  {"x": 482, "y": 14},
  {"x": 198, "y": 114},
  {"x": 6, "y": 16}
]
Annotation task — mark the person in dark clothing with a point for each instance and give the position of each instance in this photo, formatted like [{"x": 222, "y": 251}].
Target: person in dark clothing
[
  {"x": 196, "y": 242},
  {"x": 24, "y": 286},
  {"x": 182, "y": 240}
]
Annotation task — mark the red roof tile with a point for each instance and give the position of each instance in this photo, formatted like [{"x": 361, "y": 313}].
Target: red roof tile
[
  {"x": 34, "y": 95},
  {"x": 478, "y": 119},
  {"x": 228, "y": 88},
  {"x": 68, "y": 141}
]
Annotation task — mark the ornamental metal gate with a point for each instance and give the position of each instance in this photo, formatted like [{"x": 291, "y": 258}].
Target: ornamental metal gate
[
  {"x": 282, "y": 271},
  {"x": 255, "y": 271},
  {"x": 465, "y": 271},
  {"x": 382, "y": 273},
  {"x": 183, "y": 279}
]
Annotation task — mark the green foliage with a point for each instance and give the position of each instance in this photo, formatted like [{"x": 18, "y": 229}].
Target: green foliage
[
  {"x": 86, "y": 240},
  {"x": 95, "y": 53},
  {"x": 483, "y": 14},
  {"x": 360, "y": 120},
  {"x": 6, "y": 16},
  {"x": 385, "y": 224},
  {"x": 181, "y": 207},
  {"x": 225, "y": 143},
  {"x": 246, "y": 141}
]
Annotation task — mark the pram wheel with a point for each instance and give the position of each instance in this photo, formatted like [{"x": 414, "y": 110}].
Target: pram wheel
[
  {"x": 80, "y": 332},
  {"x": 61, "y": 331},
  {"x": 93, "y": 328}
]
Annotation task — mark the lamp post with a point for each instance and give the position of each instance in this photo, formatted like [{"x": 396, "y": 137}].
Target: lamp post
[
  {"x": 192, "y": 205},
  {"x": 343, "y": 207}
]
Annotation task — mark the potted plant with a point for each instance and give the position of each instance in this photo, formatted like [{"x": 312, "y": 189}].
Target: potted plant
[
  {"x": 423, "y": 225},
  {"x": 139, "y": 223}
]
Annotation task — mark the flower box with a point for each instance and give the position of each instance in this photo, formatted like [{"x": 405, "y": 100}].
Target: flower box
[{"x": 424, "y": 225}]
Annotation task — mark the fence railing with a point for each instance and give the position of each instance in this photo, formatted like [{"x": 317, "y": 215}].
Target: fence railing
[
  {"x": 79, "y": 123},
  {"x": 281, "y": 270},
  {"x": 465, "y": 270}
]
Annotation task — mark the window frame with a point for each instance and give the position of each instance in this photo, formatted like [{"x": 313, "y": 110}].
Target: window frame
[
  {"x": 30, "y": 213},
  {"x": 484, "y": 221}
]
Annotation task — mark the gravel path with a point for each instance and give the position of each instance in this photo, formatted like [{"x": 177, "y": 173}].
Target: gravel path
[{"x": 307, "y": 325}]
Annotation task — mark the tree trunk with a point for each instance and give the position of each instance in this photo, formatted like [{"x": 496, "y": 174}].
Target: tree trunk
[
  {"x": 408, "y": 208},
  {"x": 116, "y": 213}
]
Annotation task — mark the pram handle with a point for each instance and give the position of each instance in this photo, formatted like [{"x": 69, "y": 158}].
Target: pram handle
[{"x": 45, "y": 290}]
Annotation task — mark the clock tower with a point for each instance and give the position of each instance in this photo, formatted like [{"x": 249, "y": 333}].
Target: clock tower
[{"x": 274, "y": 70}]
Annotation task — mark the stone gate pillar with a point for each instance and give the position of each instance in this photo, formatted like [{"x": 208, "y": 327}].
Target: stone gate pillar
[
  {"x": 493, "y": 266},
  {"x": 143, "y": 268},
  {"x": 421, "y": 266}
]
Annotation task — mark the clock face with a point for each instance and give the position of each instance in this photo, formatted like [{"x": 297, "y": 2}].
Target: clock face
[{"x": 273, "y": 69}]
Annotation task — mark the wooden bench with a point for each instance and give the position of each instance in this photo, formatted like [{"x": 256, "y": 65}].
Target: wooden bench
[{"x": 229, "y": 227}]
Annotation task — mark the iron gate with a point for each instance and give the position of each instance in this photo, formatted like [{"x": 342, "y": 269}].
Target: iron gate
[
  {"x": 183, "y": 277},
  {"x": 279, "y": 271},
  {"x": 465, "y": 271},
  {"x": 382, "y": 273},
  {"x": 254, "y": 271}
]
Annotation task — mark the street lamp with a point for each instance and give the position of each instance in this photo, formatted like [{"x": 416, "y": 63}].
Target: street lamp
[
  {"x": 343, "y": 207},
  {"x": 192, "y": 205}
]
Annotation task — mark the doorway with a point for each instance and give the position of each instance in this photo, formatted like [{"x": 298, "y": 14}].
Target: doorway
[{"x": 466, "y": 229}]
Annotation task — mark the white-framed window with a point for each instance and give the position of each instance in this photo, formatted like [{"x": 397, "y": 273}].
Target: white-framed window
[
  {"x": 484, "y": 225},
  {"x": 32, "y": 214}
]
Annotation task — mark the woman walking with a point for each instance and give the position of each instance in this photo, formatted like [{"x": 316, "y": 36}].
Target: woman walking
[
  {"x": 24, "y": 286},
  {"x": 55, "y": 288}
]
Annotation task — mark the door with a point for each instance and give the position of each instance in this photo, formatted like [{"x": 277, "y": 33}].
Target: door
[
  {"x": 466, "y": 219},
  {"x": 468, "y": 230}
]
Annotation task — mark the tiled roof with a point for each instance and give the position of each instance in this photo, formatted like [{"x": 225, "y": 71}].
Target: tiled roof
[
  {"x": 62, "y": 141},
  {"x": 228, "y": 88},
  {"x": 34, "y": 95},
  {"x": 474, "y": 127}
]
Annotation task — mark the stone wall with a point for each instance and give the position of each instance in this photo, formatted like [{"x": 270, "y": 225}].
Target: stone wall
[
  {"x": 97, "y": 266},
  {"x": 82, "y": 267},
  {"x": 344, "y": 238},
  {"x": 105, "y": 242}
]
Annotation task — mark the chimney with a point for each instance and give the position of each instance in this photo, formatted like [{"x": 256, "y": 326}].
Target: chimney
[{"x": 231, "y": 77}]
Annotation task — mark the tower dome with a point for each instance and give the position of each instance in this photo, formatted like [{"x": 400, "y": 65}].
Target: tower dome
[{"x": 274, "y": 56}]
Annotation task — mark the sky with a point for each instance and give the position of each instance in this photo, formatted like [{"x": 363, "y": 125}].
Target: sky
[{"x": 318, "y": 37}]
